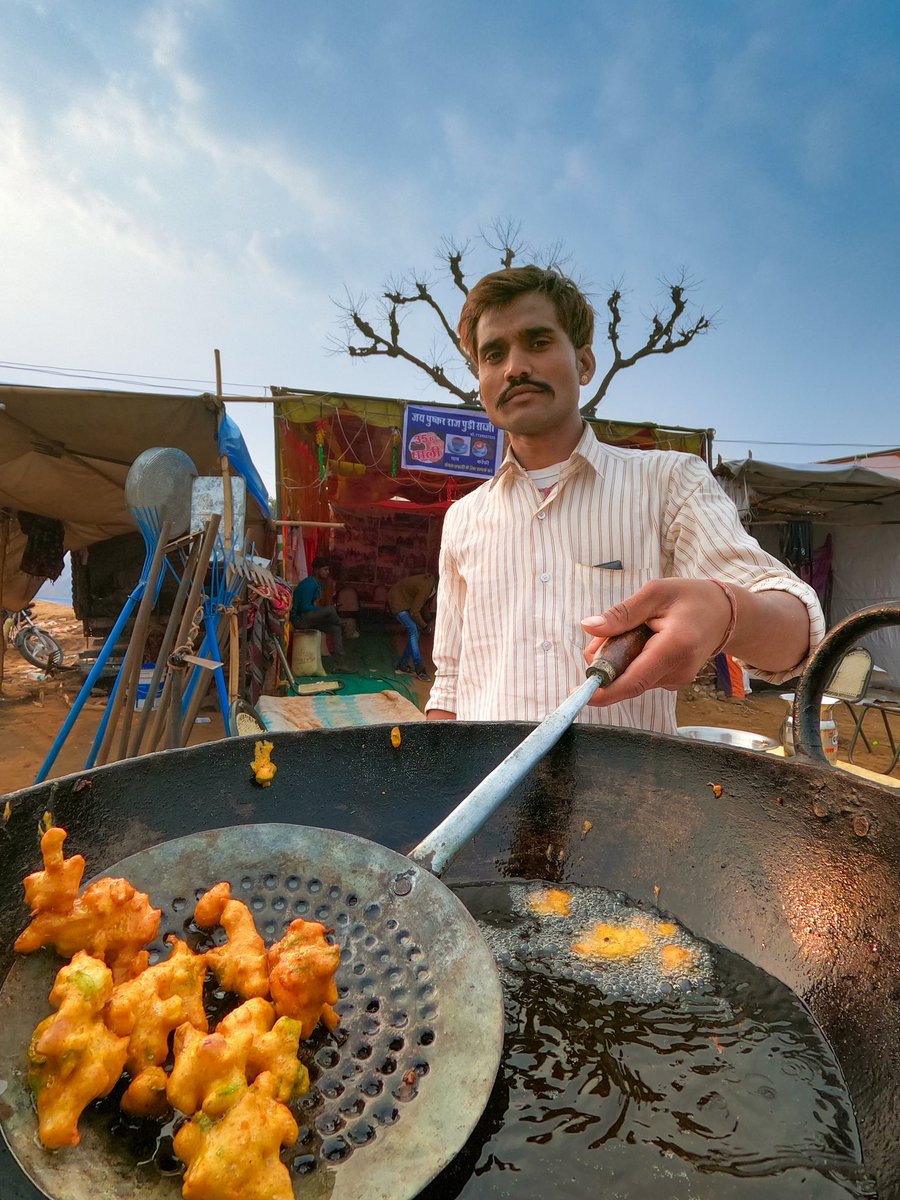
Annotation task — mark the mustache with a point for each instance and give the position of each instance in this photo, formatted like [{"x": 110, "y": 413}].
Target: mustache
[{"x": 536, "y": 385}]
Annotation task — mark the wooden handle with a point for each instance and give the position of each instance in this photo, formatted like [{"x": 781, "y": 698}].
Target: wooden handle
[{"x": 617, "y": 653}]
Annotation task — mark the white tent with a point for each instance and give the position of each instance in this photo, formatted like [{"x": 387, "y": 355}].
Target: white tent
[{"x": 858, "y": 507}]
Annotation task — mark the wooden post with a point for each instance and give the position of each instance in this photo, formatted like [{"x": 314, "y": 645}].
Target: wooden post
[
  {"x": 193, "y": 603},
  {"x": 199, "y": 695},
  {"x": 129, "y": 672},
  {"x": 165, "y": 649}
]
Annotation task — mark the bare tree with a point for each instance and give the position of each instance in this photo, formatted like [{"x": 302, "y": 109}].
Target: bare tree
[{"x": 378, "y": 333}]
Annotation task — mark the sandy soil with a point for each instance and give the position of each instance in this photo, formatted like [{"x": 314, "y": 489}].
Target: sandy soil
[{"x": 32, "y": 710}]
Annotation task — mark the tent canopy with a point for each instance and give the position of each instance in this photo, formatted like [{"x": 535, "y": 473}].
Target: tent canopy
[
  {"x": 65, "y": 454},
  {"x": 842, "y": 493},
  {"x": 348, "y": 444},
  {"x": 339, "y": 458},
  {"x": 885, "y": 461}
]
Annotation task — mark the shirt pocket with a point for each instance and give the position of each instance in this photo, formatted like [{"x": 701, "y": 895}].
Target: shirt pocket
[{"x": 599, "y": 588}]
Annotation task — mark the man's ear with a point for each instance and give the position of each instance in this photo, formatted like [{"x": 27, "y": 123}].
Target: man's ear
[{"x": 587, "y": 364}]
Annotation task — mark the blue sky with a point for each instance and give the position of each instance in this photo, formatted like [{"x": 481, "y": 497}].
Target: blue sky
[{"x": 179, "y": 176}]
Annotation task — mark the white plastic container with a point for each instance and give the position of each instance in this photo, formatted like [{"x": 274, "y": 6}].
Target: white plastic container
[
  {"x": 827, "y": 727},
  {"x": 143, "y": 689}
]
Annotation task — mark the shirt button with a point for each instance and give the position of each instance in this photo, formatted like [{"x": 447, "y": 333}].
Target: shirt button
[
  {"x": 546, "y": 645},
  {"x": 545, "y": 578},
  {"x": 542, "y": 516}
]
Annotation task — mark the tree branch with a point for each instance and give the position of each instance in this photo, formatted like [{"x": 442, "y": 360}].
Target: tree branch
[
  {"x": 667, "y": 329},
  {"x": 664, "y": 337},
  {"x": 379, "y": 345},
  {"x": 454, "y": 254},
  {"x": 424, "y": 295}
]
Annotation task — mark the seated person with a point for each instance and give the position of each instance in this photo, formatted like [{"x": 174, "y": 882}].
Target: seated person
[{"x": 307, "y": 614}]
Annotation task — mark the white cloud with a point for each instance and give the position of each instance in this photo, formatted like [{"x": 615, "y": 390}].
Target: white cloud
[{"x": 163, "y": 28}]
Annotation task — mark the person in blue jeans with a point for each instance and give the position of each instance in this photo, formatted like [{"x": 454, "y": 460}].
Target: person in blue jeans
[{"x": 406, "y": 600}]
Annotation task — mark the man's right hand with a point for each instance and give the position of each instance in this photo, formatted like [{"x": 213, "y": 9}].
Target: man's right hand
[{"x": 440, "y": 714}]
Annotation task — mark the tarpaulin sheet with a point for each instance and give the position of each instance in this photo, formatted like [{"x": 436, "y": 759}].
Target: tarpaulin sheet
[
  {"x": 343, "y": 452},
  {"x": 65, "y": 454},
  {"x": 331, "y": 712}
]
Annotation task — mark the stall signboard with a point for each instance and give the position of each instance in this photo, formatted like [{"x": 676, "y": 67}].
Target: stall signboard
[{"x": 450, "y": 441}]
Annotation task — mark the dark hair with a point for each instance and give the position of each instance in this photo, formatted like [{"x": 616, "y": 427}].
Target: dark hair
[
  {"x": 573, "y": 309},
  {"x": 320, "y": 562}
]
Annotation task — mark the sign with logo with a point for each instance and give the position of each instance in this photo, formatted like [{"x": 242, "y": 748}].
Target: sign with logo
[{"x": 450, "y": 441}]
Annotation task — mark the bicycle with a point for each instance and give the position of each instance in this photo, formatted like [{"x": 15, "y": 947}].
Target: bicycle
[{"x": 34, "y": 644}]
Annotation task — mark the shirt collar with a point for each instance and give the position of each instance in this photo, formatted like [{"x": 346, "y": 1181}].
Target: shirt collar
[{"x": 588, "y": 450}]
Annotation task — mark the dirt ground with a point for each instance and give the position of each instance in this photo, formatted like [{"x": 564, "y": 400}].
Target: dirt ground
[{"x": 32, "y": 710}]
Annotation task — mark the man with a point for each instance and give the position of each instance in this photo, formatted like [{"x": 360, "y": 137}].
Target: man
[
  {"x": 569, "y": 527},
  {"x": 405, "y": 600},
  {"x": 307, "y": 614}
]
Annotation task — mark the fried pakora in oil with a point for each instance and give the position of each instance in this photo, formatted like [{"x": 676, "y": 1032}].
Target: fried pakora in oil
[
  {"x": 274, "y": 1047},
  {"x": 210, "y": 1070},
  {"x": 676, "y": 958},
  {"x": 111, "y": 920},
  {"x": 236, "y": 1158},
  {"x": 55, "y": 889},
  {"x": 301, "y": 975},
  {"x": 550, "y": 902},
  {"x": 146, "y": 1096},
  {"x": 239, "y": 965},
  {"x": 147, "y": 1009},
  {"x": 73, "y": 1058},
  {"x": 612, "y": 941}
]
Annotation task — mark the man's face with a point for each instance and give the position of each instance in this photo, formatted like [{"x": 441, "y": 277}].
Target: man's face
[
  {"x": 529, "y": 373},
  {"x": 323, "y": 573}
]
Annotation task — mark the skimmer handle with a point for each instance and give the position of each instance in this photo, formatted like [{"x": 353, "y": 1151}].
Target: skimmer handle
[{"x": 437, "y": 850}]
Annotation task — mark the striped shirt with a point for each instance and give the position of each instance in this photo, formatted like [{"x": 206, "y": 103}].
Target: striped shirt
[{"x": 519, "y": 572}]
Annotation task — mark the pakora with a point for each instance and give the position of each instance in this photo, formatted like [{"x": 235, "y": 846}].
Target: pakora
[
  {"x": 147, "y": 1009},
  {"x": 274, "y": 1047},
  {"x": 146, "y": 1095},
  {"x": 301, "y": 975},
  {"x": 239, "y": 965},
  {"x": 612, "y": 941},
  {"x": 550, "y": 902},
  {"x": 262, "y": 766},
  {"x": 236, "y": 1158},
  {"x": 73, "y": 1058},
  {"x": 676, "y": 958},
  {"x": 55, "y": 889},
  {"x": 111, "y": 920},
  {"x": 210, "y": 1071},
  {"x": 117, "y": 1013}
]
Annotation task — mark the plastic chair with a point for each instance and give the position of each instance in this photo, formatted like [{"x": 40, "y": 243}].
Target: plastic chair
[
  {"x": 850, "y": 680},
  {"x": 850, "y": 683}
]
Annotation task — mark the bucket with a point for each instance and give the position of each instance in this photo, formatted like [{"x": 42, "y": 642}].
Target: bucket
[{"x": 143, "y": 688}]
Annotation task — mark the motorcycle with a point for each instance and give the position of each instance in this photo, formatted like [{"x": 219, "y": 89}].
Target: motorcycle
[{"x": 34, "y": 644}]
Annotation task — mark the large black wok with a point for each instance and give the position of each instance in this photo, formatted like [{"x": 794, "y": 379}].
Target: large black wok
[{"x": 795, "y": 865}]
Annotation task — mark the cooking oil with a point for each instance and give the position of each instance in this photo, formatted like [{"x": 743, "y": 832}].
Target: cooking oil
[{"x": 622, "y": 1078}]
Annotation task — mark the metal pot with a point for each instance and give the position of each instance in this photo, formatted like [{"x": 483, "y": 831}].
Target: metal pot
[
  {"x": 794, "y": 866},
  {"x": 741, "y": 738}
]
